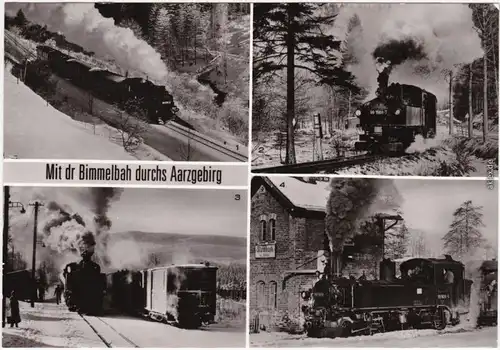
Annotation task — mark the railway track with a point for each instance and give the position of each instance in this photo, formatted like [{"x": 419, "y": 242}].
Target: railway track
[
  {"x": 109, "y": 335},
  {"x": 234, "y": 152},
  {"x": 329, "y": 165}
]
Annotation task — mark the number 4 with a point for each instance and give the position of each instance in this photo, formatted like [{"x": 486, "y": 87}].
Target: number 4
[{"x": 282, "y": 184}]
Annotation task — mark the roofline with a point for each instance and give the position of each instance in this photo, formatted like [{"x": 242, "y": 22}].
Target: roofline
[{"x": 282, "y": 199}]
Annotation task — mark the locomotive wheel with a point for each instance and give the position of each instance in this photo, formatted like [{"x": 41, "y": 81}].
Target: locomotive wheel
[{"x": 440, "y": 319}]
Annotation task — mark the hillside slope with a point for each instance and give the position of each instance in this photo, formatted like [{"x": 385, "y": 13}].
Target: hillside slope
[{"x": 34, "y": 129}]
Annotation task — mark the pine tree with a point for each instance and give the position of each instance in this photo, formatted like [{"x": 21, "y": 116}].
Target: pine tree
[
  {"x": 290, "y": 36},
  {"x": 485, "y": 18},
  {"x": 20, "y": 19},
  {"x": 464, "y": 235}
]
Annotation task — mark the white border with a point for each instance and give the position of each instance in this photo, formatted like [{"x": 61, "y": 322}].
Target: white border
[{"x": 248, "y": 163}]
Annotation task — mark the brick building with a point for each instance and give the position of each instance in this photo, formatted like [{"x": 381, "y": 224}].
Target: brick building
[{"x": 287, "y": 245}]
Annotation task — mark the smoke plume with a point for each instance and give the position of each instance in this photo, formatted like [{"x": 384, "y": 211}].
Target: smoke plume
[
  {"x": 69, "y": 225},
  {"x": 351, "y": 201},
  {"x": 419, "y": 40},
  {"x": 82, "y": 24}
]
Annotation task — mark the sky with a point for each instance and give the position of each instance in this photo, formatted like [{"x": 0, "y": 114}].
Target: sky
[
  {"x": 428, "y": 205},
  {"x": 183, "y": 211},
  {"x": 211, "y": 212}
]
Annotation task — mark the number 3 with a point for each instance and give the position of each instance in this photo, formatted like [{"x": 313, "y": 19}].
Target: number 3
[{"x": 237, "y": 197}]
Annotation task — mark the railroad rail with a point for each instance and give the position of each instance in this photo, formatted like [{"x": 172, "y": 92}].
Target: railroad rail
[
  {"x": 109, "y": 335},
  {"x": 235, "y": 152},
  {"x": 329, "y": 165}
]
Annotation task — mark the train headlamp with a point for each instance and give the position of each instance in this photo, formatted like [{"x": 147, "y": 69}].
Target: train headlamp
[
  {"x": 358, "y": 113},
  {"x": 398, "y": 112},
  {"x": 305, "y": 295}
]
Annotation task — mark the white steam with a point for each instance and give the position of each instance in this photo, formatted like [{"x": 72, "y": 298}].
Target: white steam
[
  {"x": 421, "y": 145},
  {"x": 126, "y": 254},
  {"x": 82, "y": 24},
  {"x": 445, "y": 30}
]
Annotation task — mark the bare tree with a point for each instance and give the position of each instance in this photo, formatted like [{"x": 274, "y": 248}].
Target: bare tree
[
  {"x": 154, "y": 260},
  {"x": 131, "y": 124}
]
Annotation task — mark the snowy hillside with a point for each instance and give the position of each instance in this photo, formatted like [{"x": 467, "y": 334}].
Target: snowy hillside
[{"x": 33, "y": 129}]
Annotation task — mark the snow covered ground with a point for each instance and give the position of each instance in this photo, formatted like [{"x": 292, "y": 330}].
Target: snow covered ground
[
  {"x": 423, "y": 158},
  {"x": 50, "y": 325},
  {"x": 33, "y": 129},
  {"x": 152, "y": 334},
  {"x": 486, "y": 337}
]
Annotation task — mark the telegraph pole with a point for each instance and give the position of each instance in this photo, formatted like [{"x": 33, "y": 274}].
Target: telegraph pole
[
  {"x": 37, "y": 205},
  {"x": 5, "y": 250}
]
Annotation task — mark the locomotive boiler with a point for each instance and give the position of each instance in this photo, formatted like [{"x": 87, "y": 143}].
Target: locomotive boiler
[
  {"x": 390, "y": 122},
  {"x": 111, "y": 87},
  {"x": 430, "y": 293}
]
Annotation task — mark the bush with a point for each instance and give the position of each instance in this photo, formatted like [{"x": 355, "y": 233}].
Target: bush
[{"x": 234, "y": 115}]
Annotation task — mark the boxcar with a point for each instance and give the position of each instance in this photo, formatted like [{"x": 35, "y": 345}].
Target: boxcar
[{"x": 182, "y": 294}]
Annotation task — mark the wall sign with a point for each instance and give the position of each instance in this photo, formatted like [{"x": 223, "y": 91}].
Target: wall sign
[{"x": 265, "y": 250}]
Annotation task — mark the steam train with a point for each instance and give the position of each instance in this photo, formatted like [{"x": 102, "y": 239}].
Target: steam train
[
  {"x": 110, "y": 87},
  {"x": 182, "y": 295},
  {"x": 391, "y": 121},
  {"x": 84, "y": 285},
  {"x": 422, "y": 297},
  {"x": 488, "y": 297}
]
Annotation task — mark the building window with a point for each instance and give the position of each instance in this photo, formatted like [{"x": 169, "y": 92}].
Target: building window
[
  {"x": 261, "y": 294},
  {"x": 263, "y": 232},
  {"x": 272, "y": 229},
  {"x": 273, "y": 295}
]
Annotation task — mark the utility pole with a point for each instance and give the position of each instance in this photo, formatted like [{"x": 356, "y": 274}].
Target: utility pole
[
  {"x": 5, "y": 251},
  {"x": 6, "y": 196},
  {"x": 37, "y": 205}
]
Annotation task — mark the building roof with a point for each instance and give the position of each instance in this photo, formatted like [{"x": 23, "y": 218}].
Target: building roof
[
  {"x": 302, "y": 194},
  {"x": 294, "y": 193}
]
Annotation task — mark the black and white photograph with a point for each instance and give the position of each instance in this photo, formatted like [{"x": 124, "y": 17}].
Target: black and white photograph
[
  {"x": 127, "y": 81},
  {"x": 363, "y": 262},
  {"x": 375, "y": 89},
  {"x": 97, "y": 267}
]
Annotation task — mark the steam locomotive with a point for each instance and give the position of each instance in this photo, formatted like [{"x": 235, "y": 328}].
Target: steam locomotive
[
  {"x": 423, "y": 297},
  {"x": 110, "y": 87},
  {"x": 182, "y": 295},
  {"x": 84, "y": 286},
  {"x": 391, "y": 121},
  {"x": 488, "y": 298}
]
